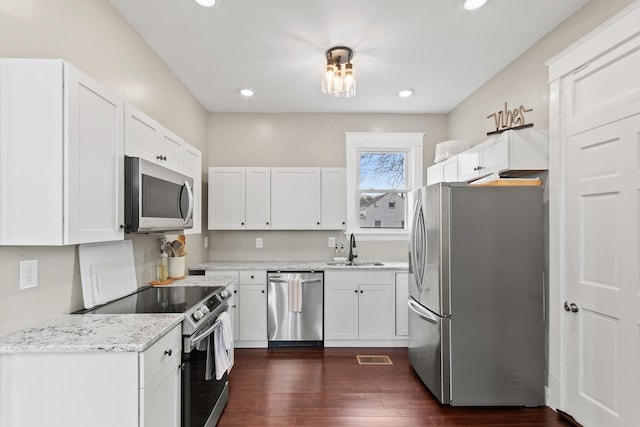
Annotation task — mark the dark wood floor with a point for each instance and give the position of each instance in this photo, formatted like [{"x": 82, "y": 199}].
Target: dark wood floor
[{"x": 327, "y": 387}]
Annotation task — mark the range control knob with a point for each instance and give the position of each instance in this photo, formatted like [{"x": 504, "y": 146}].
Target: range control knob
[
  {"x": 197, "y": 315},
  {"x": 205, "y": 310},
  {"x": 224, "y": 293}
]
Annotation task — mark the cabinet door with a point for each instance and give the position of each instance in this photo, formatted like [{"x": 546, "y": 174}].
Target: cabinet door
[
  {"x": 160, "y": 399},
  {"x": 334, "y": 199},
  {"x": 226, "y": 198},
  {"x": 193, "y": 168},
  {"x": 375, "y": 309},
  {"x": 469, "y": 164},
  {"x": 257, "y": 196},
  {"x": 94, "y": 161},
  {"x": 140, "y": 134},
  {"x": 253, "y": 312},
  {"x": 340, "y": 311},
  {"x": 402, "y": 310},
  {"x": 435, "y": 174},
  {"x": 495, "y": 156},
  {"x": 295, "y": 198},
  {"x": 169, "y": 150},
  {"x": 450, "y": 169}
]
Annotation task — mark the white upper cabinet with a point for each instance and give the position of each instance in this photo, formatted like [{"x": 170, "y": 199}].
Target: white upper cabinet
[
  {"x": 193, "y": 169},
  {"x": 513, "y": 150},
  {"x": 239, "y": 198},
  {"x": 295, "y": 198},
  {"x": 445, "y": 171},
  {"x": 334, "y": 199},
  {"x": 61, "y": 156},
  {"x": 148, "y": 139}
]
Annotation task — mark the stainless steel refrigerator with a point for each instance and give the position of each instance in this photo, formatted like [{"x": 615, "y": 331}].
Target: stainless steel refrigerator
[{"x": 476, "y": 304}]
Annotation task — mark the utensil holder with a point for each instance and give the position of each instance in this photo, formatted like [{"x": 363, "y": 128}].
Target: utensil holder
[{"x": 176, "y": 266}]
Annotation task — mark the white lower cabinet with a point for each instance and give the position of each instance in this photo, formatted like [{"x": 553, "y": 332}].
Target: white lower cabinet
[
  {"x": 402, "y": 309},
  {"x": 359, "y": 308},
  {"x": 101, "y": 389},
  {"x": 248, "y": 307}
]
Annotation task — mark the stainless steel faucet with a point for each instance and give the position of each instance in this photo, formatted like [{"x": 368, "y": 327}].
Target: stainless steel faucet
[{"x": 353, "y": 252}]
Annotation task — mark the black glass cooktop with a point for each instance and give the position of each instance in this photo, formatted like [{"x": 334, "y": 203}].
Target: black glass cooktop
[{"x": 169, "y": 299}]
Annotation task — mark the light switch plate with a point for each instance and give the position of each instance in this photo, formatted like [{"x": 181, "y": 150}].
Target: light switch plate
[
  {"x": 258, "y": 242},
  {"x": 28, "y": 274},
  {"x": 332, "y": 242}
]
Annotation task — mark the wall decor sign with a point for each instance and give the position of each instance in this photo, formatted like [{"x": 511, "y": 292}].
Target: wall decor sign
[{"x": 507, "y": 118}]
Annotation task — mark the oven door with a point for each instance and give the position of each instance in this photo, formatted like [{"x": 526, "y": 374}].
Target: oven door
[{"x": 203, "y": 397}]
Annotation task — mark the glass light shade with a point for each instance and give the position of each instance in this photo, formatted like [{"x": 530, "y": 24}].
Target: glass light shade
[
  {"x": 349, "y": 81},
  {"x": 338, "y": 82},
  {"x": 328, "y": 79}
]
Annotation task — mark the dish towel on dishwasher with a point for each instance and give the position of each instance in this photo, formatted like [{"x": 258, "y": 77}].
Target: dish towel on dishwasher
[
  {"x": 223, "y": 341},
  {"x": 295, "y": 295}
]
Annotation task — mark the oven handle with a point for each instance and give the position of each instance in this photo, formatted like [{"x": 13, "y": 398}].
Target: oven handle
[{"x": 206, "y": 333}]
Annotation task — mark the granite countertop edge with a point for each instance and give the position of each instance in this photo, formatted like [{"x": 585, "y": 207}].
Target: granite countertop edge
[
  {"x": 88, "y": 333},
  {"x": 294, "y": 266}
]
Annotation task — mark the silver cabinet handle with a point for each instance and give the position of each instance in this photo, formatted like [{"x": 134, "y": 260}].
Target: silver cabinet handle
[{"x": 571, "y": 307}]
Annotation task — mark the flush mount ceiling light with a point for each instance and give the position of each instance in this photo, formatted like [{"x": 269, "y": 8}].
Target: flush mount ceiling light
[
  {"x": 405, "y": 93},
  {"x": 336, "y": 80},
  {"x": 206, "y": 3},
  {"x": 474, "y": 4},
  {"x": 246, "y": 92}
]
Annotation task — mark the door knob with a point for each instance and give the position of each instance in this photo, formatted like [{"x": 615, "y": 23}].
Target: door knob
[{"x": 570, "y": 307}]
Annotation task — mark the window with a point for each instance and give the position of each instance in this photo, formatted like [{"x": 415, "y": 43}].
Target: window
[{"x": 382, "y": 169}]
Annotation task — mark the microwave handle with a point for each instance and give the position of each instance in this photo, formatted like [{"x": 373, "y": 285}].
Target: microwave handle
[{"x": 190, "y": 195}]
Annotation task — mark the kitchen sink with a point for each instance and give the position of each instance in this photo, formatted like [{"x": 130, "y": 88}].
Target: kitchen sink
[{"x": 354, "y": 263}]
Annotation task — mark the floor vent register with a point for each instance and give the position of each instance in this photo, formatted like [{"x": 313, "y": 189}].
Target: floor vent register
[{"x": 373, "y": 360}]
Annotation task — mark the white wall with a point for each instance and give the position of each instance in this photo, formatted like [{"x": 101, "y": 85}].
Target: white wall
[
  {"x": 524, "y": 81},
  {"x": 93, "y": 36},
  {"x": 240, "y": 139}
]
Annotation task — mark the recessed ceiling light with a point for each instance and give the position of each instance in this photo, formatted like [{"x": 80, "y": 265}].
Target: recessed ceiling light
[
  {"x": 406, "y": 93},
  {"x": 206, "y": 3},
  {"x": 473, "y": 4},
  {"x": 246, "y": 92}
]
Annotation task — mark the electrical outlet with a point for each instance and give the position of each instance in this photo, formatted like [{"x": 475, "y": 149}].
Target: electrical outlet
[
  {"x": 258, "y": 242},
  {"x": 28, "y": 274},
  {"x": 206, "y": 242},
  {"x": 332, "y": 242}
]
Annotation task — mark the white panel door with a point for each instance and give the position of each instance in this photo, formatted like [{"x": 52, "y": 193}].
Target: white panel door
[
  {"x": 334, "y": 199},
  {"x": 435, "y": 174},
  {"x": 340, "y": 311},
  {"x": 253, "y": 312},
  {"x": 603, "y": 280},
  {"x": 170, "y": 148}
]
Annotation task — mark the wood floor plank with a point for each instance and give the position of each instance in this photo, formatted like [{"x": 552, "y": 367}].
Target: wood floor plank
[{"x": 327, "y": 387}]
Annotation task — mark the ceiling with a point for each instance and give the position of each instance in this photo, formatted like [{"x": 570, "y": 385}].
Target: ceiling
[{"x": 277, "y": 48}]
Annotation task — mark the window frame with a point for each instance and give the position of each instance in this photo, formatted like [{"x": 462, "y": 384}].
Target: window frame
[{"x": 408, "y": 143}]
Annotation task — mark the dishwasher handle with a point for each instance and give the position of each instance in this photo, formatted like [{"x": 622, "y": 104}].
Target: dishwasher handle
[{"x": 304, "y": 282}]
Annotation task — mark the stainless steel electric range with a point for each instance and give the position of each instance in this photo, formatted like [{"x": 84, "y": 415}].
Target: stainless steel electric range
[{"x": 203, "y": 395}]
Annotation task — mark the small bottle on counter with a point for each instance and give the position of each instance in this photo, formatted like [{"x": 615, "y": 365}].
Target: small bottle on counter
[
  {"x": 162, "y": 268},
  {"x": 336, "y": 254},
  {"x": 342, "y": 251}
]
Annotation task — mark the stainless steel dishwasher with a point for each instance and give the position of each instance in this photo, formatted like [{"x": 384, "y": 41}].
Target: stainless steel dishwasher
[{"x": 295, "y": 309}]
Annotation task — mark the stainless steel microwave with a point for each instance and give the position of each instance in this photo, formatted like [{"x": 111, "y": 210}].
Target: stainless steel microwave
[{"x": 156, "y": 198}]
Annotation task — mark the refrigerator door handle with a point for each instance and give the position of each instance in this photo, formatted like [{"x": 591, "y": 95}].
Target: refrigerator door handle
[{"x": 420, "y": 312}]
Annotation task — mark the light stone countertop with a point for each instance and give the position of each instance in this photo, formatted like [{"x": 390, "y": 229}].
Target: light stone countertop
[
  {"x": 294, "y": 266},
  {"x": 82, "y": 333}
]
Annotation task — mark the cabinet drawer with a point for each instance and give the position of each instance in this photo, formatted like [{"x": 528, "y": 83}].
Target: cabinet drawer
[
  {"x": 166, "y": 351},
  {"x": 233, "y": 274},
  {"x": 258, "y": 277},
  {"x": 368, "y": 277}
]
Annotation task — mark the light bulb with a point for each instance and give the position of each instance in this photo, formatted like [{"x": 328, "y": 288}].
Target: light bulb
[
  {"x": 349, "y": 81},
  {"x": 473, "y": 4},
  {"x": 328, "y": 79}
]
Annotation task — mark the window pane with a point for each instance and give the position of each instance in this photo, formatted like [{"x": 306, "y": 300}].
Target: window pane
[
  {"x": 382, "y": 210},
  {"x": 382, "y": 171}
]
